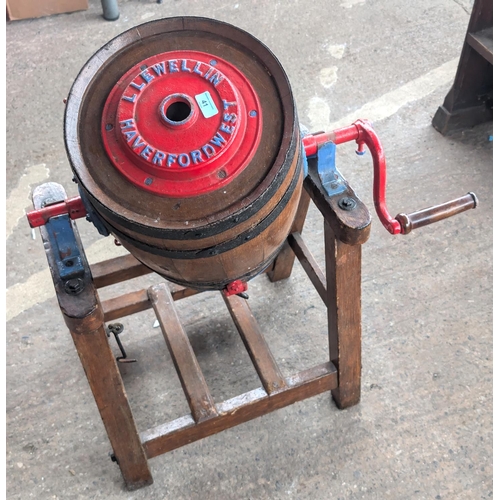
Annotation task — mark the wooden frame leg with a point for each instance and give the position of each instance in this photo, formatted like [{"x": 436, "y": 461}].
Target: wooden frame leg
[
  {"x": 283, "y": 263},
  {"x": 84, "y": 316},
  {"x": 109, "y": 392},
  {"x": 343, "y": 277}
]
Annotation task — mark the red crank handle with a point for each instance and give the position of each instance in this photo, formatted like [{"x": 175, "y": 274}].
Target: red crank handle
[
  {"x": 363, "y": 133},
  {"x": 434, "y": 214}
]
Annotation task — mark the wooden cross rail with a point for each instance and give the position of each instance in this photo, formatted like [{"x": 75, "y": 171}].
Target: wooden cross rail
[
  {"x": 207, "y": 417},
  {"x": 309, "y": 264},
  {"x": 239, "y": 409}
]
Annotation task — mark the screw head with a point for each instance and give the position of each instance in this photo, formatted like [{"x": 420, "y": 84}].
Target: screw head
[
  {"x": 74, "y": 286},
  {"x": 347, "y": 203}
]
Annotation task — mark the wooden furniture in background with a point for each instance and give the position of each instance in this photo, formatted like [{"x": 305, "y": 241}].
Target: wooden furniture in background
[
  {"x": 470, "y": 100},
  {"x": 27, "y": 9}
]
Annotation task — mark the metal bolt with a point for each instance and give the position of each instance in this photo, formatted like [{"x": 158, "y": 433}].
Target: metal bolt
[
  {"x": 115, "y": 328},
  {"x": 148, "y": 181},
  {"x": 253, "y": 113},
  {"x": 109, "y": 126},
  {"x": 347, "y": 203},
  {"x": 74, "y": 286}
]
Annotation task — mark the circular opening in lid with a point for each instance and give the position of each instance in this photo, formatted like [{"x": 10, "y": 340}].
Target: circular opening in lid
[{"x": 178, "y": 111}]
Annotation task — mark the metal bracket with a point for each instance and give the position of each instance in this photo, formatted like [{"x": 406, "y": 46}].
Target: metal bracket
[
  {"x": 116, "y": 329},
  {"x": 67, "y": 255},
  {"x": 92, "y": 215},
  {"x": 331, "y": 179}
]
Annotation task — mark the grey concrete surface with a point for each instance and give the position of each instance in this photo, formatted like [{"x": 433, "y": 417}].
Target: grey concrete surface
[{"x": 423, "y": 428}]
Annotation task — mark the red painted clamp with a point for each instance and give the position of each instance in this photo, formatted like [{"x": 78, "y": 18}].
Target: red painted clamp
[{"x": 73, "y": 207}]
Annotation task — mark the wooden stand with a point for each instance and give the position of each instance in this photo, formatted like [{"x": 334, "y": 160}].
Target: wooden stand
[
  {"x": 470, "y": 101},
  {"x": 86, "y": 317}
]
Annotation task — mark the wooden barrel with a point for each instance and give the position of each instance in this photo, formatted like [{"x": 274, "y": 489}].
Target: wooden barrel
[{"x": 183, "y": 137}]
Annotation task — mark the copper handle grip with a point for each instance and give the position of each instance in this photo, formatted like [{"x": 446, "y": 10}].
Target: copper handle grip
[{"x": 430, "y": 215}]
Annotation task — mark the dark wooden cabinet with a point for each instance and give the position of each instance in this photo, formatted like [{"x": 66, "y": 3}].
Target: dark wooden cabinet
[{"x": 470, "y": 100}]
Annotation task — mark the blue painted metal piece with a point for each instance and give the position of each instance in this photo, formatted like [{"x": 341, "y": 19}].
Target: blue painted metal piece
[
  {"x": 66, "y": 252},
  {"x": 92, "y": 215},
  {"x": 331, "y": 179},
  {"x": 305, "y": 165}
]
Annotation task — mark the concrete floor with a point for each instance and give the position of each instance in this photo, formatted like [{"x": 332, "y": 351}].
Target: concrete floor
[{"x": 423, "y": 429}]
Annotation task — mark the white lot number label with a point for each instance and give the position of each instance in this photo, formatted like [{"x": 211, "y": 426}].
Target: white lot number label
[{"x": 206, "y": 104}]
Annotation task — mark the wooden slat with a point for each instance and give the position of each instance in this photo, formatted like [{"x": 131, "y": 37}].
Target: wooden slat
[
  {"x": 125, "y": 305},
  {"x": 134, "y": 302},
  {"x": 180, "y": 292},
  {"x": 309, "y": 264},
  {"x": 343, "y": 274},
  {"x": 117, "y": 270},
  {"x": 255, "y": 343},
  {"x": 240, "y": 409},
  {"x": 283, "y": 263},
  {"x": 192, "y": 380},
  {"x": 482, "y": 43}
]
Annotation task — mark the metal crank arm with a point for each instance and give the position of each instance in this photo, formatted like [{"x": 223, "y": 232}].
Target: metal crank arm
[{"x": 362, "y": 132}]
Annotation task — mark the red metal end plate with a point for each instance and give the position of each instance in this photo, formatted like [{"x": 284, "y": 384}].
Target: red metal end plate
[{"x": 181, "y": 124}]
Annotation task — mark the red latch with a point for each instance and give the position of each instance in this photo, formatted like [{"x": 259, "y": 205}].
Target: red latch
[{"x": 235, "y": 288}]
